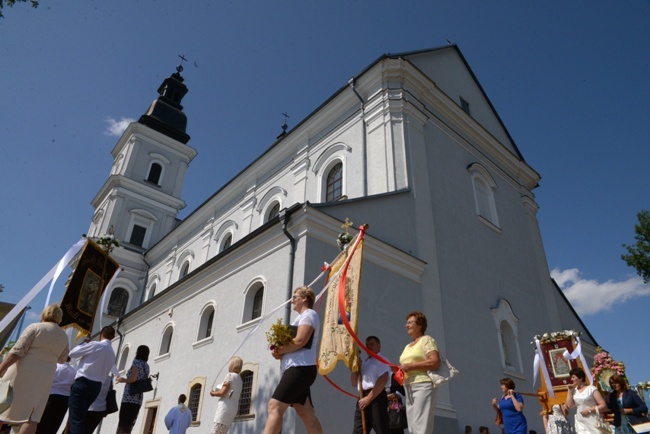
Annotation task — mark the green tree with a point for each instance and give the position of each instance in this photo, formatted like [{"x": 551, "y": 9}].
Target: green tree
[
  {"x": 11, "y": 3},
  {"x": 638, "y": 254}
]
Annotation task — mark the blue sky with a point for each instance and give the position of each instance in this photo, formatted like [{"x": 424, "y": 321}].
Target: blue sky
[{"x": 569, "y": 80}]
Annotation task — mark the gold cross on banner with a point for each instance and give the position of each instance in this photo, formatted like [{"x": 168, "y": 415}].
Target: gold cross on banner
[{"x": 347, "y": 225}]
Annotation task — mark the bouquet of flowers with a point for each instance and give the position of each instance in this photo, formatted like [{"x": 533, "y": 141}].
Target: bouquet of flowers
[{"x": 278, "y": 335}]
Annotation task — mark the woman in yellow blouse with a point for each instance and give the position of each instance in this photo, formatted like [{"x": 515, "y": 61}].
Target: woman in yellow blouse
[{"x": 419, "y": 356}]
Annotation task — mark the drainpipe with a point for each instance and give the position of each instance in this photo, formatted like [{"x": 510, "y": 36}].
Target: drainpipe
[
  {"x": 364, "y": 144},
  {"x": 284, "y": 218}
]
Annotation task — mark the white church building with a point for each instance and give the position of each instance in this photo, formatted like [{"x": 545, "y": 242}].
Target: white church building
[{"x": 411, "y": 146}]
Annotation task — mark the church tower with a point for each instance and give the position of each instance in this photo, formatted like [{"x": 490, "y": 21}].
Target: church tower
[{"x": 140, "y": 201}]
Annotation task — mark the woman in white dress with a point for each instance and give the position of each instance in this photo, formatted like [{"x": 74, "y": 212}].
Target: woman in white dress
[
  {"x": 588, "y": 400},
  {"x": 228, "y": 395},
  {"x": 556, "y": 422}
]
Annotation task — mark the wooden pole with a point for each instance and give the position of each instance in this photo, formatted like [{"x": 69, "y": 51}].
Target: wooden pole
[{"x": 360, "y": 387}]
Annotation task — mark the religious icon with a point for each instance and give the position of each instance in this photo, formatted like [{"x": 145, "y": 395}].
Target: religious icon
[{"x": 560, "y": 366}]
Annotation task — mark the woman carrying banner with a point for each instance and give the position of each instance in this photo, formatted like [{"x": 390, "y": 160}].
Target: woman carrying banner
[
  {"x": 589, "y": 401},
  {"x": 419, "y": 356},
  {"x": 511, "y": 406},
  {"x": 625, "y": 404},
  {"x": 30, "y": 368},
  {"x": 298, "y": 367}
]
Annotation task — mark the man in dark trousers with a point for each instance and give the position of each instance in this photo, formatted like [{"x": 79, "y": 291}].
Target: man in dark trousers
[{"x": 374, "y": 378}]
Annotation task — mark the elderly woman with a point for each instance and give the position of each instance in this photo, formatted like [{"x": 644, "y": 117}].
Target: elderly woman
[
  {"x": 511, "y": 406},
  {"x": 419, "y": 356},
  {"x": 588, "y": 400},
  {"x": 30, "y": 368},
  {"x": 624, "y": 403},
  {"x": 298, "y": 367},
  {"x": 131, "y": 402},
  {"x": 228, "y": 395}
]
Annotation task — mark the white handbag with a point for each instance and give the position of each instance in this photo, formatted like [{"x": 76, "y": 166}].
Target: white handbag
[
  {"x": 444, "y": 373},
  {"x": 6, "y": 395}
]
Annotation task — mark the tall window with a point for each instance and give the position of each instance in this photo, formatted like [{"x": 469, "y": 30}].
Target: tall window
[
  {"x": 137, "y": 235},
  {"x": 484, "y": 188},
  {"x": 154, "y": 173},
  {"x": 125, "y": 355},
  {"x": 246, "y": 393},
  {"x": 185, "y": 269},
  {"x": 506, "y": 323},
  {"x": 166, "y": 342},
  {"x": 257, "y": 303},
  {"x": 205, "y": 325},
  {"x": 118, "y": 302},
  {"x": 334, "y": 189},
  {"x": 227, "y": 242},
  {"x": 194, "y": 401},
  {"x": 273, "y": 212},
  {"x": 152, "y": 291}
]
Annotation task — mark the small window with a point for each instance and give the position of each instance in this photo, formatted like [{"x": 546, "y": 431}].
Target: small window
[
  {"x": 246, "y": 394},
  {"x": 185, "y": 269},
  {"x": 154, "y": 173},
  {"x": 273, "y": 212},
  {"x": 205, "y": 325},
  {"x": 194, "y": 401},
  {"x": 464, "y": 105},
  {"x": 122, "y": 365},
  {"x": 334, "y": 183},
  {"x": 152, "y": 291},
  {"x": 227, "y": 242},
  {"x": 137, "y": 235},
  {"x": 118, "y": 302},
  {"x": 257, "y": 303},
  {"x": 166, "y": 342}
]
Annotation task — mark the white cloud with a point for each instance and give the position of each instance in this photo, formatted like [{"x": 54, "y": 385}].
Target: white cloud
[
  {"x": 116, "y": 128},
  {"x": 589, "y": 297}
]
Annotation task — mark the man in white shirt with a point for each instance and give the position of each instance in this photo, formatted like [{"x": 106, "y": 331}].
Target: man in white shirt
[
  {"x": 179, "y": 418},
  {"x": 375, "y": 378},
  {"x": 57, "y": 403},
  {"x": 96, "y": 361}
]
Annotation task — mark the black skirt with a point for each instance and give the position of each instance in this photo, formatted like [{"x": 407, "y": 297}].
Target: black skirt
[{"x": 294, "y": 385}]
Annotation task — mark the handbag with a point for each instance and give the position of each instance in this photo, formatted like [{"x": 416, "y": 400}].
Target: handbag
[
  {"x": 397, "y": 418},
  {"x": 6, "y": 395},
  {"x": 141, "y": 386},
  {"x": 602, "y": 426},
  {"x": 111, "y": 401},
  {"x": 444, "y": 373}
]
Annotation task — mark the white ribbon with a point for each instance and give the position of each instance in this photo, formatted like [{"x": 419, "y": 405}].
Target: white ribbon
[
  {"x": 539, "y": 363},
  {"x": 53, "y": 273},
  {"x": 266, "y": 316},
  {"x": 109, "y": 287},
  {"x": 61, "y": 265}
]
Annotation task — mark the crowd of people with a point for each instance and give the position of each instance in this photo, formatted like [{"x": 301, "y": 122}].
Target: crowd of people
[{"x": 48, "y": 380}]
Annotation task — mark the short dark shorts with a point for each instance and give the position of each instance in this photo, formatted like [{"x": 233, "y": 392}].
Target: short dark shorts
[{"x": 294, "y": 385}]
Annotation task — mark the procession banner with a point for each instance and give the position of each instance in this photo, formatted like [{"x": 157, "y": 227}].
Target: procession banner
[
  {"x": 94, "y": 269},
  {"x": 336, "y": 343}
]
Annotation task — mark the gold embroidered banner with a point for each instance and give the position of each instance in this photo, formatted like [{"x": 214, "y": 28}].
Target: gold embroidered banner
[
  {"x": 85, "y": 287},
  {"x": 336, "y": 342}
]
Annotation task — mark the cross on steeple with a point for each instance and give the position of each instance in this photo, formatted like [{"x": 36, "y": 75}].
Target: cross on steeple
[{"x": 179, "y": 68}]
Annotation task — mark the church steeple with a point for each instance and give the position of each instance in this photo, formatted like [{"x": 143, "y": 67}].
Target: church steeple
[{"x": 165, "y": 114}]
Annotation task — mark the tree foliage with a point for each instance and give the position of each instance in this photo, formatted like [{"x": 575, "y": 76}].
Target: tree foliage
[
  {"x": 11, "y": 3},
  {"x": 638, "y": 254}
]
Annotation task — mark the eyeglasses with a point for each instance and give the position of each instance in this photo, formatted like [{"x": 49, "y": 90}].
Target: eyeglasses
[
  {"x": 295, "y": 297},
  {"x": 411, "y": 322}
]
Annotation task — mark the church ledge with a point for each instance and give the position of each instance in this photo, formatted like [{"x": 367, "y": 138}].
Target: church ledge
[{"x": 359, "y": 199}]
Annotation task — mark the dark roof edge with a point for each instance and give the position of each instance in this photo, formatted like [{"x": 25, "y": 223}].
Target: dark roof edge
[{"x": 557, "y": 287}]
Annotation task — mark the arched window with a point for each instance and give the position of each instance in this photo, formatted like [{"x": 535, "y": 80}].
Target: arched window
[
  {"x": 205, "y": 325},
  {"x": 194, "y": 401},
  {"x": 273, "y": 211},
  {"x": 257, "y": 303},
  {"x": 506, "y": 324},
  {"x": 166, "y": 342},
  {"x": 125, "y": 354},
  {"x": 246, "y": 394},
  {"x": 484, "y": 188},
  {"x": 185, "y": 269},
  {"x": 334, "y": 186},
  {"x": 152, "y": 291},
  {"x": 154, "y": 173},
  {"x": 227, "y": 242},
  {"x": 118, "y": 302}
]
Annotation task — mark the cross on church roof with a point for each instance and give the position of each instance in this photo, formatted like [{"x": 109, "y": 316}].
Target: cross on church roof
[{"x": 179, "y": 68}]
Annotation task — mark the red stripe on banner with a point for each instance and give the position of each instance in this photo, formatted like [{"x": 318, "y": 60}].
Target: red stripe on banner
[{"x": 362, "y": 233}]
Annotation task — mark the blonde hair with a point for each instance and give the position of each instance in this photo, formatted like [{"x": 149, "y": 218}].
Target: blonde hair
[
  {"x": 235, "y": 364},
  {"x": 308, "y": 293},
  {"x": 52, "y": 313}
]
